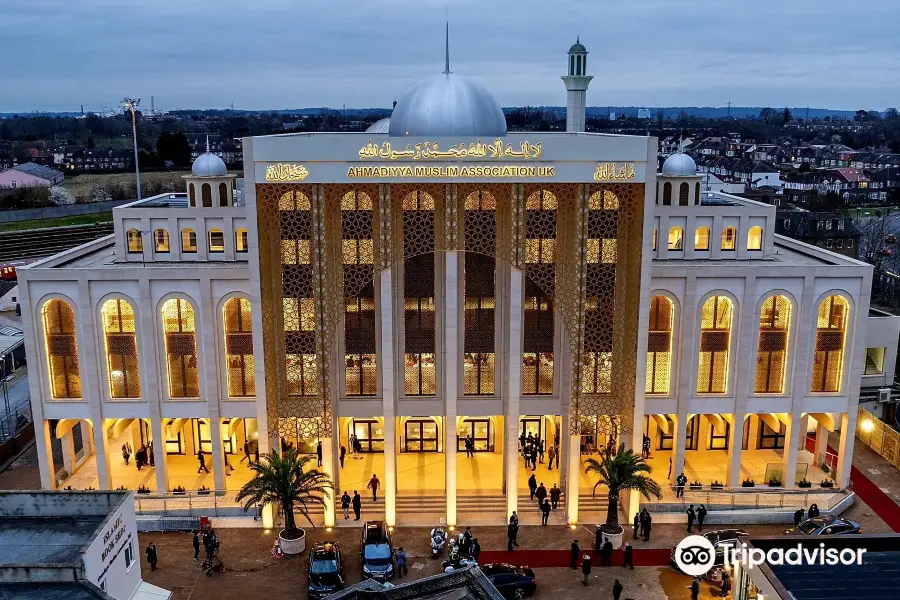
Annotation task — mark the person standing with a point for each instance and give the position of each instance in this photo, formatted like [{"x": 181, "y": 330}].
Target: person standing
[
  {"x": 617, "y": 589},
  {"x": 586, "y": 567},
  {"x": 798, "y": 516},
  {"x": 701, "y": 515},
  {"x": 648, "y": 524},
  {"x": 534, "y": 454},
  {"x": 514, "y": 519},
  {"x": 247, "y": 452},
  {"x": 357, "y": 504},
  {"x": 680, "y": 482},
  {"x": 126, "y": 454},
  {"x": 695, "y": 588},
  {"x": 636, "y": 526},
  {"x": 813, "y": 511},
  {"x": 532, "y": 486},
  {"x": 555, "y": 494},
  {"x": 256, "y": 454},
  {"x": 345, "y": 504},
  {"x": 629, "y": 556},
  {"x": 541, "y": 449},
  {"x": 151, "y": 556},
  {"x": 201, "y": 461},
  {"x": 726, "y": 583},
  {"x": 645, "y": 446},
  {"x": 551, "y": 454},
  {"x": 196, "y": 542},
  {"x": 606, "y": 554},
  {"x": 476, "y": 549},
  {"x": 510, "y": 536},
  {"x": 690, "y": 517},
  {"x": 541, "y": 494},
  {"x": 374, "y": 484},
  {"x": 353, "y": 443},
  {"x": 545, "y": 513},
  {"x": 343, "y": 454},
  {"x": 319, "y": 452},
  {"x": 401, "y": 563}
]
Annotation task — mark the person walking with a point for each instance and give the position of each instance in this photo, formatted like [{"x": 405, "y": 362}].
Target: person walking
[
  {"x": 401, "y": 563},
  {"x": 586, "y": 567},
  {"x": 617, "y": 589},
  {"x": 555, "y": 494},
  {"x": 319, "y": 452},
  {"x": 247, "y": 453},
  {"x": 541, "y": 447},
  {"x": 126, "y": 453},
  {"x": 201, "y": 461},
  {"x": 510, "y": 536},
  {"x": 701, "y": 515},
  {"x": 645, "y": 446},
  {"x": 353, "y": 443},
  {"x": 541, "y": 494},
  {"x": 551, "y": 454},
  {"x": 152, "y": 556},
  {"x": 532, "y": 486},
  {"x": 196, "y": 542},
  {"x": 606, "y": 554},
  {"x": 636, "y": 526},
  {"x": 534, "y": 455},
  {"x": 343, "y": 454},
  {"x": 357, "y": 504},
  {"x": 345, "y": 504},
  {"x": 680, "y": 482},
  {"x": 648, "y": 525},
  {"x": 545, "y": 513},
  {"x": 573, "y": 559},
  {"x": 690, "y": 517},
  {"x": 629, "y": 556},
  {"x": 695, "y": 588},
  {"x": 374, "y": 484},
  {"x": 476, "y": 549}
]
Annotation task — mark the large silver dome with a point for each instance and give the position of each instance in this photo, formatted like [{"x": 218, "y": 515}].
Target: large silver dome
[
  {"x": 209, "y": 165},
  {"x": 679, "y": 165},
  {"x": 380, "y": 126},
  {"x": 448, "y": 105}
]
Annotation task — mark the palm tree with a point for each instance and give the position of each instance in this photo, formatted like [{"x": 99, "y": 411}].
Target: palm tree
[
  {"x": 623, "y": 471},
  {"x": 283, "y": 480}
]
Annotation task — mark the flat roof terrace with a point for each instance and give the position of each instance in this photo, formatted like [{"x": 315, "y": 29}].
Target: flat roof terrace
[{"x": 45, "y": 540}]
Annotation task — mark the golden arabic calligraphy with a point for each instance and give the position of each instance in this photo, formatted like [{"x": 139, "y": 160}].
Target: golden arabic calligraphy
[
  {"x": 611, "y": 171},
  {"x": 283, "y": 172},
  {"x": 427, "y": 150}
]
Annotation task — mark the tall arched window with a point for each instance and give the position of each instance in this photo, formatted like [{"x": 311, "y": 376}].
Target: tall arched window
[
  {"x": 771, "y": 355},
  {"x": 701, "y": 238},
  {"x": 480, "y": 226},
  {"x": 697, "y": 194},
  {"x": 161, "y": 240},
  {"x": 578, "y": 70},
  {"x": 134, "y": 241},
  {"x": 831, "y": 330},
  {"x": 667, "y": 193},
  {"x": 684, "y": 194},
  {"x": 62, "y": 349},
  {"x": 188, "y": 241},
  {"x": 729, "y": 234},
  {"x": 239, "y": 348},
  {"x": 180, "y": 329},
  {"x": 755, "y": 238},
  {"x": 540, "y": 269},
  {"x": 676, "y": 238},
  {"x": 715, "y": 342},
  {"x": 192, "y": 194},
  {"x": 240, "y": 240},
  {"x": 223, "y": 194},
  {"x": 659, "y": 345},
  {"x": 120, "y": 334},
  {"x": 206, "y": 195}
]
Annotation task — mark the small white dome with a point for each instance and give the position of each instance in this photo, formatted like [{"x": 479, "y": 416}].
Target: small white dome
[
  {"x": 209, "y": 165},
  {"x": 380, "y": 126},
  {"x": 679, "y": 165}
]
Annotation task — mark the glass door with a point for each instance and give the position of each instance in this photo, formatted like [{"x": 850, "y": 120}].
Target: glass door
[
  {"x": 370, "y": 434},
  {"x": 530, "y": 425},
  {"x": 421, "y": 436},
  {"x": 174, "y": 445},
  {"x": 202, "y": 439},
  {"x": 480, "y": 430}
]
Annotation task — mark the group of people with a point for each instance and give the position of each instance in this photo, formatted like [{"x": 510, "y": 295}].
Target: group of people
[
  {"x": 642, "y": 525},
  {"x": 547, "y": 500},
  {"x": 142, "y": 458},
  {"x": 356, "y": 501},
  {"x": 699, "y": 515},
  {"x": 465, "y": 550},
  {"x": 606, "y": 556},
  {"x": 533, "y": 450},
  {"x": 800, "y": 513}
]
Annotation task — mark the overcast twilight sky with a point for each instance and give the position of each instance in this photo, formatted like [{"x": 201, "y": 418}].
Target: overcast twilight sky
[{"x": 257, "y": 54}]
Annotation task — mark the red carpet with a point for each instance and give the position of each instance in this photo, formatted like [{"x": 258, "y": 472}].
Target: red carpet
[{"x": 643, "y": 557}]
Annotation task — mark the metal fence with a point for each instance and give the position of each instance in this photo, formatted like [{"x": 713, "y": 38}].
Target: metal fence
[
  {"x": 14, "y": 421},
  {"x": 755, "y": 498},
  {"x": 215, "y": 503},
  {"x": 53, "y": 212}
]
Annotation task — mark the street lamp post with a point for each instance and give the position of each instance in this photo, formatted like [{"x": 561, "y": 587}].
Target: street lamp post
[{"x": 131, "y": 104}]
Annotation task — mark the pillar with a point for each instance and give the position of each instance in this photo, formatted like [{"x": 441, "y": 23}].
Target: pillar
[
  {"x": 845, "y": 450},
  {"x": 574, "y": 464},
  {"x": 42, "y": 441},
  {"x": 451, "y": 364},
  {"x": 511, "y": 441},
  {"x": 386, "y": 307},
  {"x": 821, "y": 445},
  {"x": 789, "y": 457},
  {"x": 801, "y": 434},
  {"x": 68, "y": 451},
  {"x": 678, "y": 443},
  {"x": 159, "y": 455},
  {"x": 735, "y": 447},
  {"x": 218, "y": 452},
  {"x": 328, "y": 469},
  {"x": 101, "y": 454}
]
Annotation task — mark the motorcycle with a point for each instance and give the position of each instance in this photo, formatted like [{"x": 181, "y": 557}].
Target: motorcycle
[{"x": 438, "y": 539}]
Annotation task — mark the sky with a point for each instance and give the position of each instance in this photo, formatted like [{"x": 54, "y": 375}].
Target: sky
[{"x": 271, "y": 54}]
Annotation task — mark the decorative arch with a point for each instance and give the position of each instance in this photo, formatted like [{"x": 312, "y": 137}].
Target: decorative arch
[
  {"x": 716, "y": 319},
  {"x": 134, "y": 243},
  {"x": 659, "y": 345},
  {"x": 667, "y": 193},
  {"x": 684, "y": 194},
  {"x": 179, "y": 326},
  {"x": 61, "y": 345},
  {"x": 755, "y": 238},
  {"x": 188, "y": 241},
  {"x": 206, "y": 195},
  {"x": 192, "y": 196},
  {"x": 161, "y": 240},
  {"x": 238, "y": 337},
  {"x": 223, "y": 194},
  {"x": 676, "y": 239},
  {"x": 697, "y": 194},
  {"x": 119, "y": 321},
  {"x": 832, "y": 323},
  {"x": 772, "y": 347},
  {"x": 701, "y": 238}
]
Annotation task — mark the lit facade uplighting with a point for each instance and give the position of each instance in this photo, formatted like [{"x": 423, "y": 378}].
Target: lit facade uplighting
[{"x": 868, "y": 426}]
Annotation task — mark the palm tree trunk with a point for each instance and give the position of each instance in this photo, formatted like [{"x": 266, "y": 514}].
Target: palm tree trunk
[
  {"x": 612, "y": 509},
  {"x": 289, "y": 523}
]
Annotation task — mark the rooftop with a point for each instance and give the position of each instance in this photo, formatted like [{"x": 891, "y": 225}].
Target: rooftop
[
  {"x": 38, "y": 171},
  {"x": 45, "y": 540},
  {"x": 51, "y": 591}
]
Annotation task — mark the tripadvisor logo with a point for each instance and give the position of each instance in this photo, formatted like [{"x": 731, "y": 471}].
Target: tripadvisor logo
[{"x": 695, "y": 555}]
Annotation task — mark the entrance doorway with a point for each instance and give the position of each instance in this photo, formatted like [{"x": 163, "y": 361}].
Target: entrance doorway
[
  {"x": 369, "y": 433},
  {"x": 480, "y": 430},
  {"x": 420, "y": 436},
  {"x": 531, "y": 426}
]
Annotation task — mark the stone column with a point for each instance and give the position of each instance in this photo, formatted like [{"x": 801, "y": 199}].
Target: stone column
[
  {"x": 386, "y": 308},
  {"x": 451, "y": 376},
  {"x": 328, "y": 469},
  {"x": 574, "y": 464},
  {"x": 678, "y": 445},
  {"x": 42, "y": 442},
  {"x": 845, "y": 451},
  {"x": 735, "y": 447},
  {"x": 789, "y": 457},
  {"x": 68, "y": 451},
  {"x": 218, "y": 452},
  {"x": 101, "y": 454},
  {"x": 821, "y": 444},
  {"x": 511, "y": 441},
  {"x": 159, "y": 454}
]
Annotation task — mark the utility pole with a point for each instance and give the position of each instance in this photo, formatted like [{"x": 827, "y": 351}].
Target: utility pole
[
  {"x": 729, "y": 109},
  {"x": 131, "y": 104}
]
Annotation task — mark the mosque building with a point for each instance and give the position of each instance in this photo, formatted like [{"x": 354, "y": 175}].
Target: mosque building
[{"x": 438, "y": 278}]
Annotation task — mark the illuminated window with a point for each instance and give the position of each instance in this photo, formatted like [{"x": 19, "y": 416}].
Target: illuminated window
[
  {"x": 537, "y": 373},
  {"x": 659, "y": 345},
  {"x": 755, "y": 238},
  {"x": 302, "y": 374},
  {"x": 291, "y": 201},
  {"x": 119, "y": 331},
  {"x": 239, "y": 348},
  {"x": 684, "y": 194},
  {"x": 161, "y": 240},
  {"x": 135, "y": 243},
  {"x": 179, "y": 327},
  {"x": 715, "y": 342},
  {"x": 356, "y": 201},
  {"x": 299, "y": 314},
  {"x": 361, "y": 374},
  {"x": 771, "y": 355},
  {"x": 605, "y": 200},
  {"x": 478, "y": 331},
  {"x": 360, "y": 317},
  {"x": 358, "y": 252},
  {"x": 361, "y": 371},
  {"x": 216, "y": 241},
  {"x": 192, "y": 194},
  {"x": 296, "y": 252},
  {"x": 676, "y": 238},
  {"x": 654, "y": 238},
  {"x": 831, "y": 329},
  {"x": 418, "y": 201},
  {"x": 596, "y": 376},
  {"x": 420, "y": 372},
  {"x": 542, "y": 200},
  {"x": 701, "y": 238},
  {"x": 667, "y": 194},
  {"x": 540, "y": 269},
  {"x": 729, "y": 234},
  {"x": 537, "y": 360},
  {"x": 188, "y": 241},
  {"x": 602, "y": 251},
  {"x": 240, "y": 240},
  {"x": 206, "y": 195},
  {"x": 223, "y": 194},
  {"x": 540, "y": 251},
  {"x": 62, "y": 349}
]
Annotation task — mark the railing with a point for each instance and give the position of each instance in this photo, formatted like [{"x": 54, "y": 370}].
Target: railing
[
  {"x": 752, "y": 498},
  {"x": 14, "y": 421},
  {"x": 213, "y": 503}
]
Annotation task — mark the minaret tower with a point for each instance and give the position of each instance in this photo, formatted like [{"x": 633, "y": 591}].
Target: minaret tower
[{"x": 577, "y": 83}]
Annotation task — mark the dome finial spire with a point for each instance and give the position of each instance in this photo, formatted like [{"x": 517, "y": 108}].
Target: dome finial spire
[
  {"x": 447, "y": 43},
  {"x": 207, "y": 142},
  {"x": 578, "y": 39}
]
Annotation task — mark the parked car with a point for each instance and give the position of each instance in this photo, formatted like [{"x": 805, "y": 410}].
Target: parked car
[
  {"x": 326, "y": 570},
  {"x": 825, "y": 525},
  {"x": 510, "y": 580},
  {"x": 376, "y": 552},
  {"x": 720, "y": 539}
]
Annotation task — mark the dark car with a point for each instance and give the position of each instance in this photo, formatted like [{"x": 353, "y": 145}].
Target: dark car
[
  {"x": 720, "y": 539},
  {"x": 510, "y": 580},
  {"x": 376, "y": 553},
  {"x": 825, "y": 525},
  {"x": 326, "y": 570}
]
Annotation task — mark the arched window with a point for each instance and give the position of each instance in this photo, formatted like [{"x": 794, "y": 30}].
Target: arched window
[
  {"x": 120, "y": 334},
  {"x": 701, "y": 238},
  {"x": 161, "y": 240},
  {"x": 684, "y": 194},
  {"x": 192, "y": 194},
  {"x": 771, "y": 355},
  {"x": 240, "y": 240},
  {"x": 239, "y": 348},
  {"x": 223, "y": 194},
  {"x": 62, "y": 349},
  {"x": 216, "y": 241},
  {"x": 697, "y": 194},
  {"x": 188, "y": 241},
  {"x": 578, "y": 70},
  {"x": 572, "y": 65},
  {"x": 755, "y": 238},
  {"x": 206, "y": 195},
  {"x": 540, "y": 258},
  {"x": 715, "y": 342},
  {"x": 729, "y": 234},
  {"x": 659, "y": 345},
  {"x": 179, "y": 327},
  {"x": 134, "y": 241},
  {"x": 676, "y": 238},
  {"x": 831, "y": 330},
  {"x": 667, "y": 193}
]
